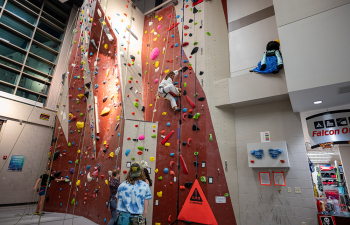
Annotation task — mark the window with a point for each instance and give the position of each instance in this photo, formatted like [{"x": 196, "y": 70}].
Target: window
[{"x": 31, "y": 34}]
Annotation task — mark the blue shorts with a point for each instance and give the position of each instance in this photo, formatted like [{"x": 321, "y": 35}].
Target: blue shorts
[{"x": 42, "y": 191}]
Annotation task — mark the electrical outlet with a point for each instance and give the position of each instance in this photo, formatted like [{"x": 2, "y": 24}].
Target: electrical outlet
[
  {"x": 289, "y": 189},
  {"x": 297, "y": 190}
]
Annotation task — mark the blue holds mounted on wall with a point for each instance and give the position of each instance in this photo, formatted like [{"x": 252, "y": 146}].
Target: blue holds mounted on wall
[
  {"x": 127, "y": 152},
  {"x": 257, "y": 153},
  {"x": 274, "y": 153}
]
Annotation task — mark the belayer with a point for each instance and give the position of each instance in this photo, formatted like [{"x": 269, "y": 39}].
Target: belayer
[{"x": 167, "y": 89}]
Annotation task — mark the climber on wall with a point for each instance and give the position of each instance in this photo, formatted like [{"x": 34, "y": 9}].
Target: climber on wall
[
  {"x": 113, "y": 187},
  {"x": 132, "y": 197},
  {"x": 167, "y": 89},
  {"x": 45, "y": 180}
]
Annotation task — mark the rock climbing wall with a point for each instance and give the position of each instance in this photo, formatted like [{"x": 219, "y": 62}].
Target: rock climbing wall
[
  {"x": 95, "y": 103},
  {"x": 184, "y": 45}
]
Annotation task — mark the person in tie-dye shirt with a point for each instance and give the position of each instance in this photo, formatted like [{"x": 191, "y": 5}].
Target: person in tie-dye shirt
[{"x": 132, "y": 197}]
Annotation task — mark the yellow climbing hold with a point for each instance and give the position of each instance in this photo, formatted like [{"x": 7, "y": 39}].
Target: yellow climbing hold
[
  {"x": 150, "y": 105},
  {"x": 146, "y": 32},
  {"x": 78, "y": 183},
  {"x": 167, "y": 144},
  {"x": 154, "y": 39},
  {"x": 70, "y": 115},
  {"x": 164, "y": 113},
  {"x": 164, "y": 39},
  {"x": 156, "y": 170},
  {"x": 106, "y": 46},
  {"x": 166, "y": 71},
  {"x": 152, "y": 31},
  {"x": 152, "y": 159},
  {"x": 107, "y": 73},
  {"x": 154, "y": 126},
  {"x": 111, "y": 154},
  {"x": 160, "y": 18},
  {"x": 157, "y": 64},
  {"x": 80, "y": 125},
  {"x": 105, "y": 111},
  {"x": 117, "y": 118},
  {"x": 105, "y": 142},
  {"x": 112, "y": 97},
  {"x": 78, "y": 151},
  {"x": 81, "y": 95},
  {"x": 106, "y": 182},
  {"x": 160, "y": 194}
]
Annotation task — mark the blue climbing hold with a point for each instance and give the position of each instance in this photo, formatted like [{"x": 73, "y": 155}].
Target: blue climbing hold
[
  {"x": 75, "y": 77},
  {"x": 184, "y": 110},
  {"x": 73, "y": 100},
  {"x": 73, "y": 143},
  {"x": 88, "y": 167},
  {"x": 274, "y": 153},
  {"x": 172, "y": 154},
  {"x": 60, "y": 189},
  {"x": 178, "y": 16},
  {"x": 68, "y": 121},
  {"x": 185, "y": 75},
  {"x": 96, "y": 86},
  {"x": 176, "y": 44},
  {"x": 79, "y": 89},
  {"x": 122, "y": 44},
  {"x": 70, "y": 161},
  {"x": 185, "y": 61},
  {"x": 168, "y": 124},
  {"x": 64, "y": 150},
  {"x": 91, "y": 53},
  {"x": 127, "y": 152},
  {"x": 258, "y": 153},
  {"x": 105, "y": 220},
  {"x": 176, "y": 83},
  {"x": 175, "y": 99},
  {"x": 61, "y": 204},
  {"x": 172, "y": 36},
  {"x": 118, "y": 134},
  {"x": 166, "y": 170}
]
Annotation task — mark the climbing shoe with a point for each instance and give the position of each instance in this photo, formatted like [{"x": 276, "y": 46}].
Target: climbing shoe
[
  {"x": 36, "y": 213},
  {"x": 177, "y": 110}
]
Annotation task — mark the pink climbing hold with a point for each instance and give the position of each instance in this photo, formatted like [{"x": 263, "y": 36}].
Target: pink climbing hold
[
  {"x": 141, "y": 137},
  {"x": 159, "y": 26},
  {"x": 154, "y": 53},
  {"x": 156, "y": 81},
  {"x": 183, "y": 117}
]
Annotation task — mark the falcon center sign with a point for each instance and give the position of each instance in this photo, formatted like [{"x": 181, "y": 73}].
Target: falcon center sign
[{"x": 329, "y": 127}]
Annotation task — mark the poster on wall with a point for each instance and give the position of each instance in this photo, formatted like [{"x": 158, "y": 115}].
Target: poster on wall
[
  {"x": 326, "y": 129},
  {"x": 279, "y": 179},
  {"x": 326, "y": 220},
  {"x": 16, "y": 163},
  {"x": 264, "y": 178},
  {"x": 44, "y": 116}
]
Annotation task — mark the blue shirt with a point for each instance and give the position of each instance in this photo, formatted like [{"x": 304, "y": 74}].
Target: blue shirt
[{"x": 131, "y": 198}]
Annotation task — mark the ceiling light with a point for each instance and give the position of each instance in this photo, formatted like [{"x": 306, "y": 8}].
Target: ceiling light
[
  {"x": 317, "y": 102},
  {"x": 326, "y": 153}
]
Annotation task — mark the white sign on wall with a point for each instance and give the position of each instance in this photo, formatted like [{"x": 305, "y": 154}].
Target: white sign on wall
[
  {"x": 329, "y": 127},
  {"x": 265, "y": 136}
]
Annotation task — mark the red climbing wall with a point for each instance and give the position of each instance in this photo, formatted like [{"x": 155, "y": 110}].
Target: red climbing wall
[
  {"x": 208, "y": 150},
  {"x": 91, "y": 208}
]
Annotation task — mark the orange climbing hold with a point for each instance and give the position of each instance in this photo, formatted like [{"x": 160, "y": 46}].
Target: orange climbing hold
[
  {"x": 162, "y": 132},
  {"x": 133, "y": 113},
  {"x": 109, "y": 17},
  {"x": 127, "y": 6},
  {"x": 127, "y": 96},
  {"x": 128, "y": 138},
  {"x": 125, "y": 14},
  {"x": 139, "y": 152},
  {"x": 182, "y": 187},
  {"x": 185, "y": 34},
  {"x": 186, "y": 6},
  {"x": 136, "y": 125},
  {"x": 190, "y": 67},
  {"x": 124, "y": 172},
  {"x": 169, "y": 218},
  {"x": 136, "y": 99},
  {"x": 129, "y": 80}
]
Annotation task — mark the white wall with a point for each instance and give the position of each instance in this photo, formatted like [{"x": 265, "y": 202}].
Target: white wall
[
  {"x": 34, "y": 144},
  {"x": 263, "y": 204},
  {"x": 241, "y": 8},
  {"x": 315, "y": 49}
]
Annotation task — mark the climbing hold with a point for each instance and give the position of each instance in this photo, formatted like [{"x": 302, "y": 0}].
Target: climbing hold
[
  {"x": 194, "y": 50},
  {"x": 156, "y": 81},
  {"x": 132, "y": 158},
  {"x": 77, "y": 161},
  {"x": 185, "y": 44},
  {"x": 195, "y": 43},
  {"x": 156, "y": 170},
  {"x": 196, "y": 116},
  {"x": 190, "y": 21},
  {"x": 182, "y": 187},
  {"x": 160, "y": 178},
  {"x": 167, "y": 144},
  {"x": 136, "y": 104},
  {"x": 210, "y": 137},
  {"x": 154, "y": 136},
  {"x": 166, "y": 170},
  {"x": 184, "y": 110},
  {"x": 184, "y": 167},
  {"x": 201, "y": 73},
  {"x": 152, "y": 159},
  {"x": 141, "y": 137},
  {"x": 184, "y": 69},
  {"x": 190, "y": 116},
  {"x": 166, "y": 71},
  {"x": 140, "y": 148},
  {"x": 154, "y": 53},
  {"x": 185, "y": 84},
  {"x": 190, "y": 101},
  {"x": 209, "y": 34},
  {"x": 69, "y": 144},
  {"x": 226, "y": 194},
  {"x": 172, "y": 154},
  {"x": 71, "y": 170},
  {"x": 184, "y": 115},
  {"x": 195, "y": 10},
  {"x": 139, "y": 152},
  {"x": 78, "y": 183},
  {"x": 164, "y": 113},
  {"x": 156, "y": 64},
  {"x": 167, "y": 137},
  {"x": 159, "y": 26},
  {"x": 105, "y": 111},
  {"x": 188, "y": 185},
  {"x": 106, "y": 46},
  {"x": 186, "y": 27},
  {"x": 57, "y": 153},
  {"x": 89, "y": 178},
  {"x": 80, "y": 125},
  {"x": 184, "y": 93},
  {"x": 125, "y": 172},
  {"x": 127, "y": 152},
  {"x": 159, "y": 194},
  {"x": 73, "y": 201},
  {"x": 168, "y": 124},
  {"x": 195, "y": 128},
  {"x": 201, "y": 99},
  {"x": 203, "y": 179}
]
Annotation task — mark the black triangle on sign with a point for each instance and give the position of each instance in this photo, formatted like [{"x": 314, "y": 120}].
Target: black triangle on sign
[{"x": 196, "y": 198}]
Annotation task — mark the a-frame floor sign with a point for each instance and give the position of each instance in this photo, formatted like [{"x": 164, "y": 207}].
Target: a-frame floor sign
[{"x": 196, "y": 207}]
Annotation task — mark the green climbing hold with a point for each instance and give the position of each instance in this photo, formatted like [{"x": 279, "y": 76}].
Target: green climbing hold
[
  {"x": 160, "y": 178},
  {"x": 75, "y": 42},
  {"x": 146, "y": 71},
  {"x": 69, "y": 144},
  {"x": 195, "y": 95},
  {"x": 77, "y": 161},
  {"x": 133, "y": 158},
  {"x": 195, "y": 43},
  {"x": 154, "y": 136},
  {"x": 226, "y": 194},
  {"x": 209, "y": 34},
  {"x": 81, "y": 114},
  {"x": 66, "y": 180},
  {"x": 140, "y": 148},
  {"x": 191, "y": 9},
  {"x": 190, "y": 64},
  {"x": 195, "y": 153},
  {"x": 210, "y": 137},
  {"x": 77, "y": 102},
  {"x": 156, "y": 17},
  {"x": 130, "y": 78},
  {"x": 136, "y": 104},
  {"x": 76, "y": 31},
  {"x": 196, "y": 116},
  {"x": 78, "y": 131},
  {"x": 73, "y": 201},
  {"x": 199, "y": 10},
  {"x": 185, "y": 84},
  {"x": 203, "y": 179},
  {"x": 158, "y": 35},
  {"x": 132, "y": 63},
  {"x": 195, "y": 23},
  {"x": 138, "y": 52},
  {"x": 146, "y": 32}
]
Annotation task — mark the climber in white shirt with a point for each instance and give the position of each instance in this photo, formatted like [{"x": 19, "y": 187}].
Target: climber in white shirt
[{"x": 167, "y": 89}]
